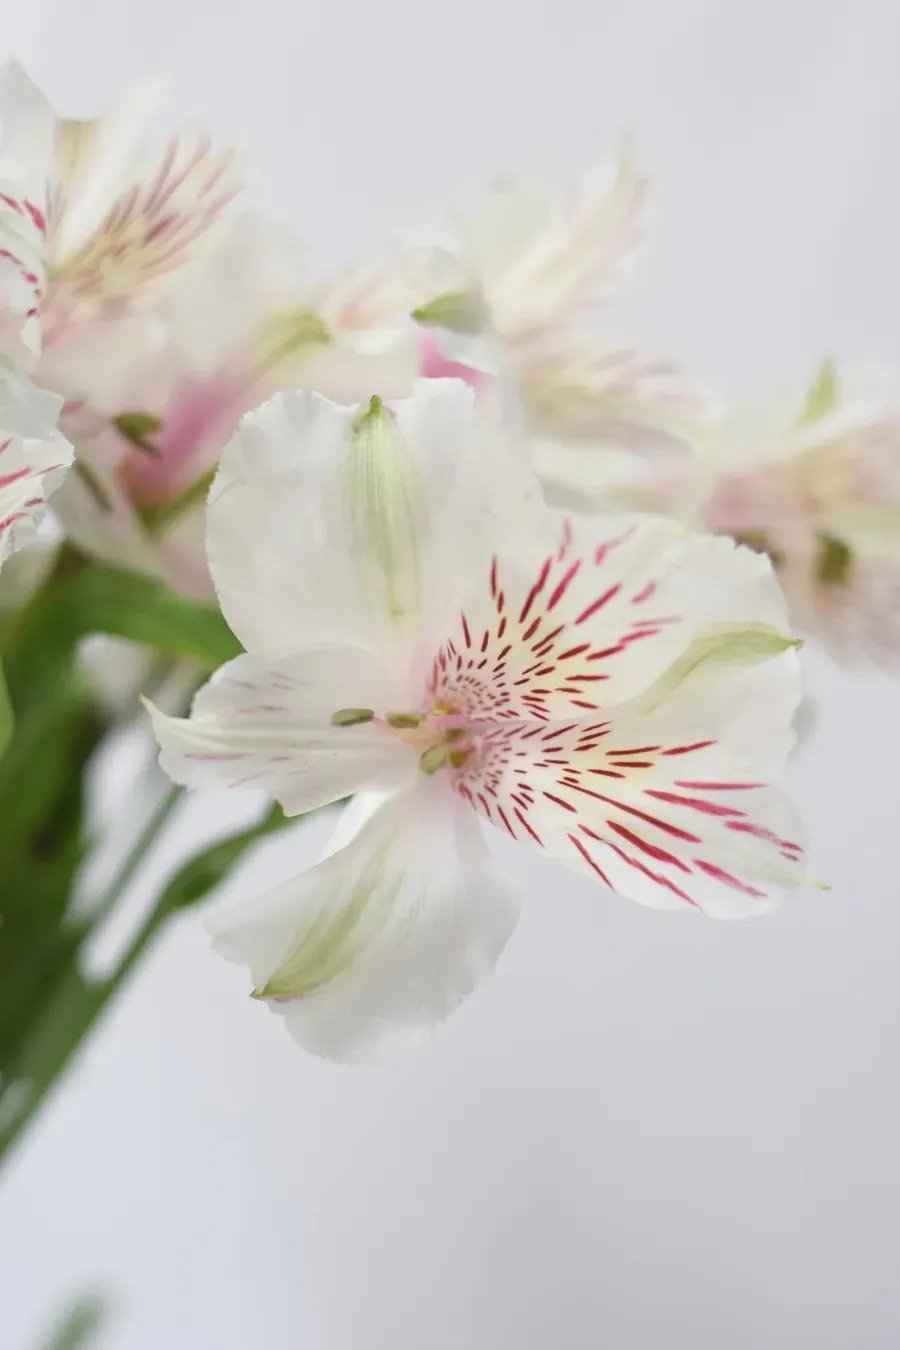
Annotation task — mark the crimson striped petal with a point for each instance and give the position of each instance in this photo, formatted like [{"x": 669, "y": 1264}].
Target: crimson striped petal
[
  {"x": 34, "y": 457},
  {"x": 668, "y": 822}
]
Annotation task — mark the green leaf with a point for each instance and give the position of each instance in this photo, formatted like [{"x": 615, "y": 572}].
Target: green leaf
[
  {"x": 77, "y": 1328},
  {"x": 55, "y": 734},
  {"x": 7, "y": 720},
  {"x": 124, "y": 604},
  {"x": 822, "y": 396}
]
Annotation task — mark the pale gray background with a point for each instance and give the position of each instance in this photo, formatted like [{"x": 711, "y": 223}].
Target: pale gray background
[{"x": 648, "y": 1131}]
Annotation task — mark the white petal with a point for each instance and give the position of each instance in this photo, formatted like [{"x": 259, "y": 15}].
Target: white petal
[
  {"x": 667, "y": 821},
  {"x": 34, "y": 457},
  {"x": 294, "y": 560},
  {"x": 27, "y": 128},
  {"x": 372, "y": 948},
  {"x": 100, "y": 520},
  {"x": 95, "y": 159},
  {"x": 749, "y": 707},
  {"x": 602, "y": 618},
  {"x": 165, "y": 211},
  {"x": 269, "y": 725},
  {"x": 275, "y": 532},
  {"x": 544, "y": 256},
  {"x": 577, "y": 388}
]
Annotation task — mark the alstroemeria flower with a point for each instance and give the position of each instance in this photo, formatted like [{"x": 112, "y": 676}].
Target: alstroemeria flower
[
  {"x": 96, "y": 235},
  {"x": 122, "y": 222},
  {"x": 173, "y": 392},
  {"x": 422, "y": 631},
  {"x": 518, "y": 278},
  {"x": 34, "y": 457},
  {"x": 814, "y": 481}
]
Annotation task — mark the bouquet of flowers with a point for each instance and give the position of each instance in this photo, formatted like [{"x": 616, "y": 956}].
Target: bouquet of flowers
[{"x": 418, "y": 537}]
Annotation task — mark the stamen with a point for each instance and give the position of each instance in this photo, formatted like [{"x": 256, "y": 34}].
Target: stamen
[
  {"x": 351, "y": 717},
  {"x": 402, "y": 721},
  {"x": 432, "y": 759}
]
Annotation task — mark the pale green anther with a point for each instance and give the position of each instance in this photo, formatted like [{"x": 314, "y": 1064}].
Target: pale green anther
[
  {"x": 458, "y": 311},
  {"x": 725, "y": 646},
  {"x": 351, "y": 717},
  {"x": 403, "y": 721},
  {"x": 137, "y": 428},
  {"x": 386, "y": 512},
  {"x": 822, "y": 396},
  {"x": 432, "y": 759}
]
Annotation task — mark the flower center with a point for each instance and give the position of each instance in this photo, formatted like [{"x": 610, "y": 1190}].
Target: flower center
[{"x": 442, "y": 736}]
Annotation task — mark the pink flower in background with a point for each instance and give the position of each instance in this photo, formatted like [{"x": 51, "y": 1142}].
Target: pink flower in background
[
  {"x": 436, "y": 366},
  {"x": 817, "y": 485},
  {"x": 811, "y": 479}
]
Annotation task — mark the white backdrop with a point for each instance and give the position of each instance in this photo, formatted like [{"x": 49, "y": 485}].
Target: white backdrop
[{"x": 648, "y": 1131}]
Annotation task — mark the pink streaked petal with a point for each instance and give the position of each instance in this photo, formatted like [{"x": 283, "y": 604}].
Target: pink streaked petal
[{"x": 655, "y": 845}]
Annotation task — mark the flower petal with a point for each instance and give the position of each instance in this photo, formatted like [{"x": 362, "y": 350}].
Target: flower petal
[
  {"x": 27, "y": 127},
  {"x": 95, "y": 159},
  {"x": 314, "y": 536},
  {"x": 666, "y": 820},
  {"x": 544, "y": 257},
  {"x": 34, "y": 457},
  {"x": 101, "y": 521},
  {"x": 602, "y": 617},
  {"x": 270, "y": 725},
  {"x": 578, "y": 389},
  {"x": 165, "y": 207},
  {"x": 373, "y": 947}
]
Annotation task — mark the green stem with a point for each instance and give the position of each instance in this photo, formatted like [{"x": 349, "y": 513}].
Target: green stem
[
  {"x": 74, "y": 1012},
  {"x": 75, "y": 1005},
  {"x": 136, "y": 855}
]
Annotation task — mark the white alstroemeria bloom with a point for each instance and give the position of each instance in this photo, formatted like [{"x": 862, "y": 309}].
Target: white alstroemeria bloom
[
  {"x": 123, "y": 222},
  {"x": 813, "y": 479},
  {"x": 93, "y": 225},
  {"x": 95, "y": 234},
  {"x": 511, "y": 286},
  {"x": 34, "y": 457},
  {"x": 423, "y": 632}
]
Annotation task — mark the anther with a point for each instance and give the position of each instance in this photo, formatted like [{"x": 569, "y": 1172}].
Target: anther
[
  {"x": 432, "y": 759},
  {"x": 401, "y": 721},
  {"x": 351, "y": 717}
]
